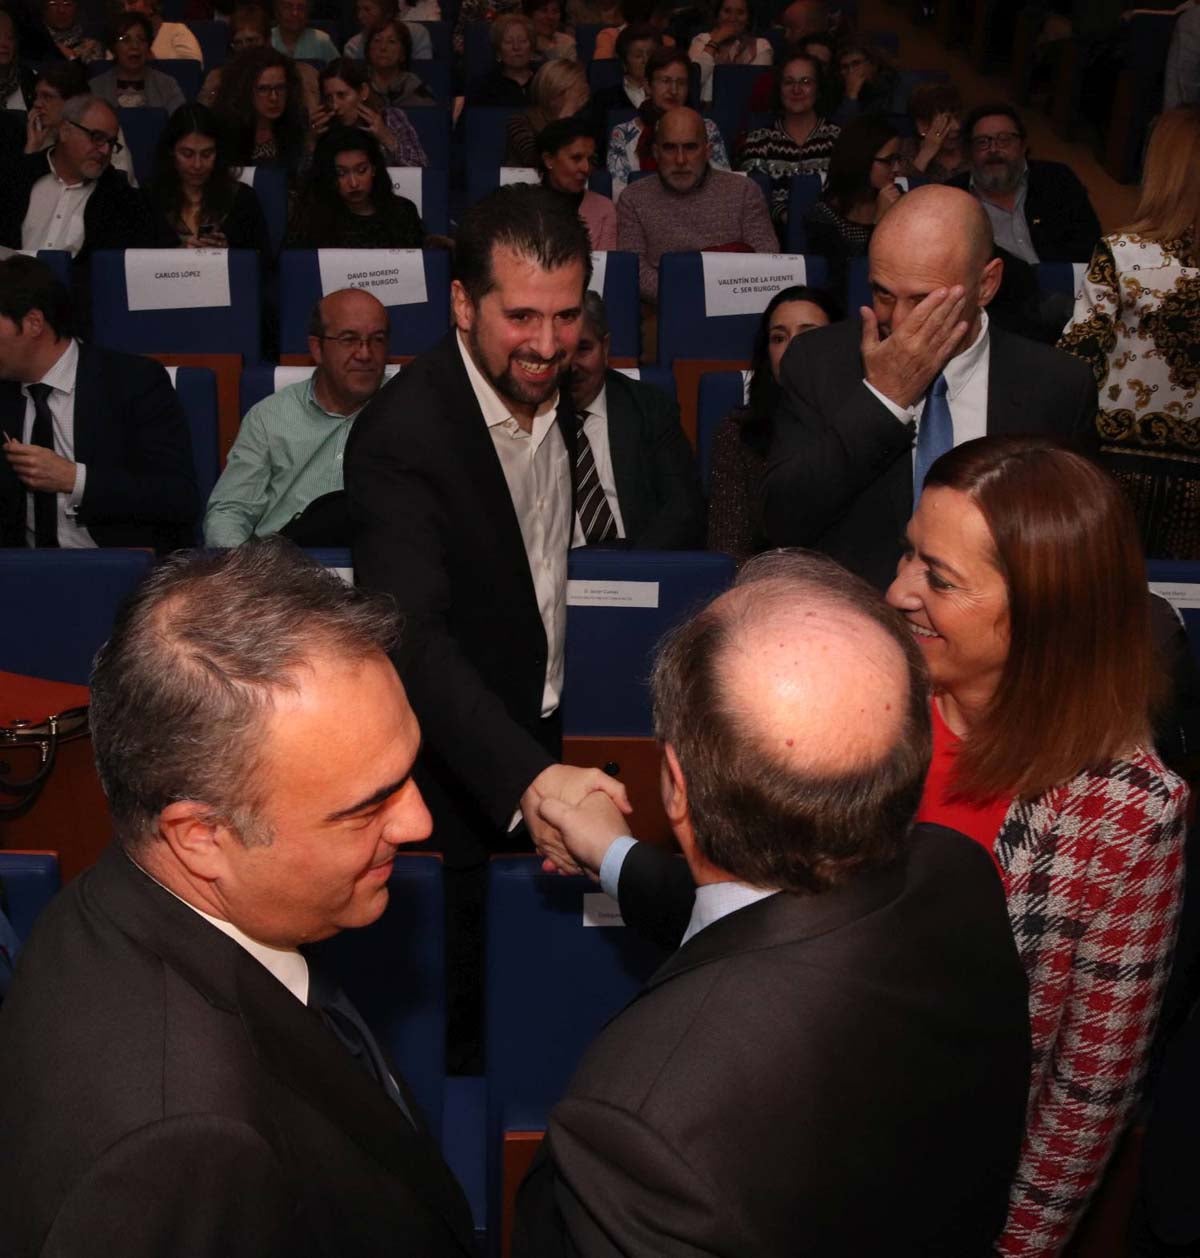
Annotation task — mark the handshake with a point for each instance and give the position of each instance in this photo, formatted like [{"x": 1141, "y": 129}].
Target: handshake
[{"x": 573, "y": 816}]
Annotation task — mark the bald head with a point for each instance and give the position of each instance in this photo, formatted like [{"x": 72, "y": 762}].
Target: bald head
[
  {"x": 681, "y": 149},
  {"x": 348, "y": 339},
  {"x": 936, "y": 220},
  {"x": 351, "y": 304},
  {"x": 803, "y": 18},
  {"x": 680, "y": 123}
]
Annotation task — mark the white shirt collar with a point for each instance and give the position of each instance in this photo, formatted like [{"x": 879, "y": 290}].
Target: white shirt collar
[
  {"x": 496, "y": 411},
  {"x": 82, "y": 183},
  {"x": 959, "y": 370},
  {"x": 716, "y": 900},
  {"x": 599, "y": 404},
  {"x": 62, "y": 375}
]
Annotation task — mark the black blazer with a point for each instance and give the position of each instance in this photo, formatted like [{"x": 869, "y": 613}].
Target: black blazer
[
  {"x": 834, "y": 1075},
  {"x": 131, "y": 433},
  {"x": 839, "y": 471},
  {"x": 436, "y": 529},
  {"x": 658, "y": 486},
  {"x": 161, "y": 1092}
]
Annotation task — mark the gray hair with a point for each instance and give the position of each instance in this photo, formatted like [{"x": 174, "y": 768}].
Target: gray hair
[
  {"x": 183, "y": 688},
  {"x": 595, "y": 314},
  {"x": 76, "y": 106}
]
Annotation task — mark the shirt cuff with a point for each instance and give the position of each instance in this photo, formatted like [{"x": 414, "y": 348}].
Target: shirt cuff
[
  {"x": 611, "y": 865},
  {"x": 905, "y": 414},
  {"x": 75, "y": 497}
]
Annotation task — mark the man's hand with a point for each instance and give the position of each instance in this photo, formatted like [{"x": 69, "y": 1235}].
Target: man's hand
[
  {"x": 569, "y": 785},
  {"x": 587, "y": 829},
  {"x": 903, "y": 366},
  {"x": 39, "y": 468}
]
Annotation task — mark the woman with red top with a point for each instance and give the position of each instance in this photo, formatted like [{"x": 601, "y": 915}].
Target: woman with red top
[{"x": 1024, "y": 584}]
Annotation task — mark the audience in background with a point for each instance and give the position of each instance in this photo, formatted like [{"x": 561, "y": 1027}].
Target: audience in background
[
  {"x": 1136, "y": 325},
  {"x": 802, "y": 19},
  {"x": 293, "y": 36},
  {"x": 551, "y": 40},
  {"x": 634, "y": 46},
  {"x": 653, "y": 13},
  {"x": 16, "y": 78},
  {"x": 509, "y": 82},
  {"x": 421, "y": 11},
  {"x": 65, "y": 31},
  {"x": 131, "y": 83},
  {"x": 565, "y": 151},
  {"x": 740, "y": 444},
  {"x": 868, "y": 81},
  {"x": 388, "y": 51},
  {"x": 55, "y": 84},
  {"x": 372, "y": 14},
  {"x": 937, "y": 151},
  {"x": 173, "y": 41},
  {"x": 471, "y": 11},
  {"x": 598, "y": 12},
  {"x": 348, "y": 101},
  {"x": 250, "y": 27},
  {"x": 559, "y": 90},
  {"x": 261, "y": 106},
  {"x": 1181, "y": 80},
  {"x": 729, "y": 43}
]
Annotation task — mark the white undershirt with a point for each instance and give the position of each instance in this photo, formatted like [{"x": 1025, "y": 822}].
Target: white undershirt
[
  {"x": 595, "y": 428},
  {"x": 54, "y": 216}
]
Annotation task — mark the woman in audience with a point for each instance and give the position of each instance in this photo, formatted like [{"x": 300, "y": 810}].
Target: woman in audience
[
  {"x": 347, "y": 201},
  {"x": 388, "y": 51},
  {"x": 729, "y": 43},
  {"x": 801, "y": 141},
  {"x": 261, "y": 107},
  {"x": 55, "y": 84},
  {"x": 1137, "y": 323},
  {"x": 560, "y": 90},
  {"x": 509, "y": 83},
  {"x": 250, "y": 27},
  {"x": 65, "y": 30},
  {"x": 16, "y": 78},
  {"x": 938, "y": 152},
  {"x": 372, "y": 14},
  {"x": 131, "y": 83},
  {"x": 347, "y": 101},
  {"x": 551, "y": 41},
  {"x": 655, "y": 14},
  {"x": 566, "y": 149},
  {"x": 197, "y": 193},
  {"x": 630, "y": 146},
  {"x": 868, "y": 82},
  {"x": 741, "y": 441},
  {"x": 1024, "y": 585},
  {"x": 170, "y": 41},
  {"x": 634, "y": 46},
  {"x": 471, "y": 11}
]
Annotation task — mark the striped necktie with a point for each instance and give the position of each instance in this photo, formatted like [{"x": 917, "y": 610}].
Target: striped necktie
[{"x": 595, "y": 515}]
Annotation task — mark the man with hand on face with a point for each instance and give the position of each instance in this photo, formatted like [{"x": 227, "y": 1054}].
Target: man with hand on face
[
  {"x": 691, "y": 205},
  {"x": 284, "y": 472},
  {"x": 869, "y": 405},
  {"x": 459, "y": 482}
]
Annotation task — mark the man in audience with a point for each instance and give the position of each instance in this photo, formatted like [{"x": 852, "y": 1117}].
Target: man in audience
[
  {"x": 177, "y": 1076},
  {"x": 635, "y": 473},
  {"x": 96, "y": 448},
  {"x": 459, "y": 483},
  {"x": 845, "y": 1019},
  {"x": 284, "y": 472},
  {"x": 293, "y": 36},
  {"x": 869, "y": 404},
  {"x": 690, "y": 205},
  {"x": 173, "y": 41},
  {"x": 801, "y": 20},
  {"x": 1039, "y": 211}
]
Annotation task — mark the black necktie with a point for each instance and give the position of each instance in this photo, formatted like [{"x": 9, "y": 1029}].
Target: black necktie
[
  {"x": 595, "y": 515},
  {"x": 45, "y": 503}
]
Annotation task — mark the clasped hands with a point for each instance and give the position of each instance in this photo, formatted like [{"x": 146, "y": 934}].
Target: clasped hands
[
  {"x": 904, "y": 364},
  {"x": 573, "y": 815},
  {"x": 39, "y": 468}
]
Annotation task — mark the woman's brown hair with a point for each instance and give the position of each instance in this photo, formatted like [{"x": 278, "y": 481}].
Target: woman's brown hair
[
  {"x": 1169, "y": 206},
  {"x": 1081, "y": 678}
]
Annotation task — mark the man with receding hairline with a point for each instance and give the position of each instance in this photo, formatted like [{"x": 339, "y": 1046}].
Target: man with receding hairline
[{"x": 870, "y": 403}]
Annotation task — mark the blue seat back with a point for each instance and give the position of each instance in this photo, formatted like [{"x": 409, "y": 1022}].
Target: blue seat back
[
  {"x": 478, "y": 57},
  {"x": 270, "y": 185},
  {"x": 661, "y": 378},
  {"x": 432, "y": 199},
  {"x": 720, "y": 393},
  {"x": 605, "y": 74},
  {"x": 187, "y": 72},
  {"x": 610, "y": 644},
  {"x": 438, "y": 76},
  {"x": 28, "y": 882},
  {"x": 68, "y": 600},
  {"x": 600, "y": 181},
  {"x": 1178, "y": 581},
  {"x": 432, "y": 126},
  {"x": 59, "y": 261},
  {"x": 858, "y": 285},
  {"x": 482, "y": 180},
  {"x": 1064, "y": 278},
  {"x": 585, "y": 39},
  {"x": 141, "y": 128},
  {"x": 622, "y": 303},
  {"x": 732, "y": 88},
  {"x": 439, "y": 40},
  {"x": 803, "y": 193},
  {"x": 485, "y": 135},
  {"x": 213, "y": 38},
  {"x": 196, "y": 388}
]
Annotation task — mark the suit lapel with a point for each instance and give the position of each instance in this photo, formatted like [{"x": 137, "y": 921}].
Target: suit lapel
[
  {"x": 623, "y": 449},
  {"x": 1005, "y": 413},
  {"x": 89, "y": 399}
]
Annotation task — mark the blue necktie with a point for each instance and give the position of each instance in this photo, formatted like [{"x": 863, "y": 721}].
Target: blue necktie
[{"x": 935, "y": 435}]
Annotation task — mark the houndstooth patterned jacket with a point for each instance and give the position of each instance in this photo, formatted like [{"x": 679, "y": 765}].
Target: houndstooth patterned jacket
[{"x": 1093, "y": 873}]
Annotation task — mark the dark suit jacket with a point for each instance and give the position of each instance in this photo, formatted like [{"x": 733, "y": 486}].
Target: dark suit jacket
[
  {"x": 1063, "y": 227},
  {"x": 435, "y": 528},
  {"x": 834, "y": 1075},
  {"x": 131, "y": 433},
  {"x": 839, "y": 472},
  {"x": 658, "y": 487},
  {"x": 162, "y": 1093}
]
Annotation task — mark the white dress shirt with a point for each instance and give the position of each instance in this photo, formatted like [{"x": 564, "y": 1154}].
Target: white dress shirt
[
  {"x": 595, "y": 428},
  {"x": 61, "y": 379},
  {"x": 54, "y": 216},
  {"x": 538, "y": 473}
]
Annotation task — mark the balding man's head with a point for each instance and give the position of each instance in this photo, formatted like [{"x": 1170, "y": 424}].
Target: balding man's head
[
  {"x": 348, "y": 339},
  {"x": 681, "y": 149},
  {"x": 796, "y": 709},
  {"x": 803, "y": 18}
]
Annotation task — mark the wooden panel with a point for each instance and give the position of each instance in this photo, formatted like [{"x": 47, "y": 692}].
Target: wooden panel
[
  {"x": 228, "y": 370},
  {"x": 634, "y": 761},
  {"x": 520, "y": 1148}
]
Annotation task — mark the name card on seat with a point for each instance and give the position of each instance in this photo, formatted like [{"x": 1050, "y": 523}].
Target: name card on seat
[
  {"x": 176, "y": 279},
  {"x": 1182, "y": 595},
  {"x": 395, "y": 276},
  {"x": 406, "y": 182},
  {"x": 743, "y": 283},
  {"x": 599, "y": 271},
  {"x": 600, "y": 593}
]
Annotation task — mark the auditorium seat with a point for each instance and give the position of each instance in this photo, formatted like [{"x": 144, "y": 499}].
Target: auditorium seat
[
  {"x": 660, "y": 377},
  {"x": 432, "y": 125},
  {"x": 478, "y": 57},
  {"x": 270, "y": 184},
  {"x": 197, "y": 391},
  {"x": 141, "y": 128},
  {"x": 803, "y": 193},
  {"x": 1064, "y": 278},
  {"x": 620, "y": 293},
  {"x": 438, "y": 76},
  {"x": 720, "y": 393},
  {"x": 485, "y": 136},
  {"x": 585, "y": 39},
  {"x": 429, "y": 190},
  {"x": 28, "y": 882},
  {"x": 213, "y": 38},
  {"x": 733, "y": 85},
  {"x": 1178, "y": 581},
  {"x": 439, "y": 39},
  {"x": 482, "y": 180}
]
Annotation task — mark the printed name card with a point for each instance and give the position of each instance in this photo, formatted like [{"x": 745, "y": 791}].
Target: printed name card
[
  {"x": 395, "y": 276},
  {"x": 518, "y": 174},
  {"x": 599, "y": 271},
  {"x": 743, "y": 283},
  {"x": 592, "y": 593},
  {"x": 406, "y": 182},
  {"x": 601, "y": 910},
  {"x": 176, "y": 279},
  {"x": 1181, "y": 595}
]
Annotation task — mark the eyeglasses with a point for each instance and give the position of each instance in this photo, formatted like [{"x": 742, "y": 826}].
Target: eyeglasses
[
  {"x": 1005, "y": 140},
  {"x": 352, "y": 340},
  {"x": 270, "y": 89},
  {"x": 133, "y": 41},
  {"x": 805, "y": 81},
  {"x": 661, "y": 82},
  {"x": 895, "y": 160},
  {"x": 101, "y": 139}
]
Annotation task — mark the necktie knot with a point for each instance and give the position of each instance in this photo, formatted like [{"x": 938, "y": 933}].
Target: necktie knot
[
  {"x": 939, "y": 388},
  {"x": 40, "y": 392}
]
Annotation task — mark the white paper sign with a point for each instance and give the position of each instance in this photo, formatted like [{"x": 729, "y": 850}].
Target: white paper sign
[
  {"x": 176, "y": 279},
  {"x": 601, "y": 910},
  {"x": 743, "y": 283},
  {"x": 406, "y": 182},
  {"x": 246, "y": 176},
  {"x": 1180, "y": 595},
  {"x": 347, "y": 574},
  {"x": 634, "y": 373},
  {"x": 599, "y": 271},
  {"x": 518, "y": 174},
  {"x": 395, "y": 276},
  {"x": 592, "y": 593}
]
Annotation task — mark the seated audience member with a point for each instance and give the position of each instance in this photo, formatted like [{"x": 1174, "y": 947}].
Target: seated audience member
[
  {"x": 194, "y": 190},
  {"x": 801, "y": 20},
  {"x": 509, "y": 82},
  {"x": 1040, "y": 212},
  {"x": 387, "y": 52},
  {"x": 1181, "y": 82},
  {"x": 131, "y": 83},
  {"x": 937, "y": 152},
  {"x": 631, "y": 144},
  {"x": 1024, "y": 585},
  {"x": 348, "y": 101},
  {"x": 690, "y": 205},
  {"x": 16, "y": 78},
  {"x": 559, "y": 90},
  {"x": 653, "y": 13},
  {"x": 844, "y": 1020},
  {"x": 347, "y": 201},
  {"x": 867, "y": 404},
  {"x": 634, "y": 46},
  {"x": 742, "y": 439},
  {"x": 69, "y": 197},
  {"x": 284, "y": 473},
  {"x": 420, "y": 11},
  {"x": 552, "y": 41},
  {"x": 637, "y": 483},
  {"x": 96, "y": 449},
  {"x": 566, "y": 149},
  {"x": 1135, "y": 326},
  {"x": 65, "y": 32},
  {"x": 165, "y": 1018},
  {"x": 292, "y": 35},
  {"x": 250, "y": 27},
  {"x": 372, "y": 14},
  {"x": 596, "y": 12},
  {"x": 868, "y": 82},
  {"x": 471, "y": 11},
  {"x": 261, "y": 107},
  {"x": 731, "y": 42},
  {"x": 173, "y": 41},
  {"x": 55, "y": 84},
  {"x": 801, "y": 141}
]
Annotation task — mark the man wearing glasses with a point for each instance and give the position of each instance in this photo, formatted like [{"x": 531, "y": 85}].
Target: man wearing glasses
[{"x": 284, "y": 473}]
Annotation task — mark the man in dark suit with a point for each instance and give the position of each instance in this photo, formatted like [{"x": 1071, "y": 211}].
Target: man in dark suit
[
  {"x": 96, "y": 448},
  {"x": 836, "y": 1059},
  {"x": 868, "y": 405},
  {"x": 645, "y": 468},
  {"x": 176, "y": 1076}
]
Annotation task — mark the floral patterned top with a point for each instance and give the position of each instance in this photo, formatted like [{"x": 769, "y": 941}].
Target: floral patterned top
[
  {"x": 623, "y": 155},
  {"x": 1135, "y": 323}
]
